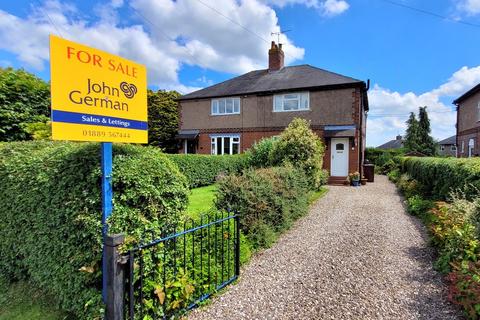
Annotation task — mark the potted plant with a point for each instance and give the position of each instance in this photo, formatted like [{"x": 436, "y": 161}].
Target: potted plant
[{"x": 354, "y": 178}]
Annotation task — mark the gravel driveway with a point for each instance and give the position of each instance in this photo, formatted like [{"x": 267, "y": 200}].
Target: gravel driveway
[{"x": 357, "y": 255}]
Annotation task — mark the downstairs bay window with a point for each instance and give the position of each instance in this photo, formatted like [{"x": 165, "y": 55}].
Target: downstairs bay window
[{"x": 225, "y": 144}]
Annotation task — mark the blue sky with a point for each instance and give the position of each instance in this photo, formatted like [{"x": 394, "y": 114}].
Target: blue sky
[{"x": 412, "y": 58}]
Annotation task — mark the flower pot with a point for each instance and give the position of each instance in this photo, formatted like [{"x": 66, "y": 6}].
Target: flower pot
[
  {"x": 363, "y": 181},
  {"x": 355, "y": 183}
]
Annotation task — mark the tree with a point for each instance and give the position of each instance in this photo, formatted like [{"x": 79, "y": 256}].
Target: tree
[
  {"x": 412, "y": 141},
  {"x": 163, "y": 119},
  {"x": 427, "y": 144},
  {"x": 24, "y": 99},
  {"x": 417, "y": 137}
]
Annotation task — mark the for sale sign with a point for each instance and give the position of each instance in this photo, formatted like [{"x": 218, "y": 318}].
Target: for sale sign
[{"x": 96, "y": 96}]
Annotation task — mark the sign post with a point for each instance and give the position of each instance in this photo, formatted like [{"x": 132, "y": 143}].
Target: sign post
[
  {"x": 97, "y": 96},
  {"x": 107, "y": 197}
]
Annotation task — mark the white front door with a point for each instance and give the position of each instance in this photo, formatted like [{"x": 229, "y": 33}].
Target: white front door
[{"x": 339, "y": 157}]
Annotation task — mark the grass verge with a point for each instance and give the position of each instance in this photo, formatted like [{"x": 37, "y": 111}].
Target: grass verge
[
  {"x": 315, "y": 195},
  {"x": 20, "y": 301}
]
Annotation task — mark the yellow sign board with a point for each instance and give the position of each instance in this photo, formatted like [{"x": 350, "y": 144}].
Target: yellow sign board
[{"x": 96, "y": 96}]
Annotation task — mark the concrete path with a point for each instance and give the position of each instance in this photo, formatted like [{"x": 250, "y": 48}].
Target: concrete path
[{"x": 357, "y": 255}]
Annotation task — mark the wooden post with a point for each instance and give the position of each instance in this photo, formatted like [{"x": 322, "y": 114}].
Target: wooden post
[{"x": 115, "y": 286}]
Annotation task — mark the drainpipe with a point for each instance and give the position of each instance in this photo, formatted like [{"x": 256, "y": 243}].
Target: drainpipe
[{"x": 362, "y": 114}]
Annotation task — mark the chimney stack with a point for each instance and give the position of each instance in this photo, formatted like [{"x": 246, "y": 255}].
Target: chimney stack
[
  {"x": 399, "y": 137},
  {"x": 275, "y": 57}
]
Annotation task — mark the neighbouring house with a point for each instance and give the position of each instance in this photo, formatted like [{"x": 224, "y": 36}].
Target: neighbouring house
[
  {"x": 448, "y": 147},
  {"x": 468, "y": 123},
  {"x": 229, "y": 117},
  {"x": 397, "y": 143}
]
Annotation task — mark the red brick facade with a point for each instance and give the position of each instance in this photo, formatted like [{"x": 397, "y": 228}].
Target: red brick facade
[
  {"x": 468, "y": 123},
  {"x": 249, "y": 137}
]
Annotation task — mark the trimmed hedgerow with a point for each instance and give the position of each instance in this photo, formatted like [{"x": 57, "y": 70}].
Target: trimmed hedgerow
[
  {"x": 203, "y": 170},
  {"x": 441, "y": 176},
  {"x": 50, "y": 231},
  {"x": 454, "y": 227},
  {"x": 267, "y": 200}
]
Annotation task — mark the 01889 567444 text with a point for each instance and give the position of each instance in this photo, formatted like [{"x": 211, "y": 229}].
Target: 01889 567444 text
[{"x": 106, "y": 134}]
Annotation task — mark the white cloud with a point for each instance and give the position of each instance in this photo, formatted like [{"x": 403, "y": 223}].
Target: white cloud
[
  {"x": 334, "y": 7},
  {"x": 328, "y": 8},
  {"x": 163, "y": 35},
  {"x": 283, "y": 3},
  {"x": 394, "y": 107},
  {"x": 470, "y": 7}
]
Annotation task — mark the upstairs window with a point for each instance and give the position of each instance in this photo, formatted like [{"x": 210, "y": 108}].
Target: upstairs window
[
  {"x": 225, "y": 106},
  {"x": 297, "y": 101}
]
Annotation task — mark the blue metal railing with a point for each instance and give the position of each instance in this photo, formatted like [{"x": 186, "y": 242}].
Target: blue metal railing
[{"x": 174, "y": 273}]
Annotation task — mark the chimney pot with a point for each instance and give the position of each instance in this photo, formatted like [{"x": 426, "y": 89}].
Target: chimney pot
[
  {"x": 399, "y": 137},
  {"x": 276, "y": 57}
]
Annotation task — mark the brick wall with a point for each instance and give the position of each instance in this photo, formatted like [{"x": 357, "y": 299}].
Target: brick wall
[
  {"x": 248, "y": 138},
  {"x": 464, "y": 138}
]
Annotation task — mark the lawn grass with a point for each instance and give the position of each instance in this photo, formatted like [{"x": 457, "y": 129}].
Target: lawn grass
[
  {"x": 20, "y": 301},
  {"x": 200, "y": 200}
]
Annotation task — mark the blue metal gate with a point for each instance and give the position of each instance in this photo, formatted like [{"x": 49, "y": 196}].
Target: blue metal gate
[{"x": 176, "y": 272}]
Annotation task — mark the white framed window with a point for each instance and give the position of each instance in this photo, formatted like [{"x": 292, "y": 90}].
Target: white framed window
[
  {"x": 225, "y": 106},
  {"x": 478, "y": 111},
  {"x": 225, "y": 144},
  {"x": 453, "y": 148},
  {"x": 442, "y": 147},
  {"x": 295, "y": 101}
]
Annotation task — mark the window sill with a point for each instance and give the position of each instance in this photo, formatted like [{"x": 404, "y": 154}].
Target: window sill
[
  {"x": 303, "y": 110},
  {"x": 224, "y": 114}
]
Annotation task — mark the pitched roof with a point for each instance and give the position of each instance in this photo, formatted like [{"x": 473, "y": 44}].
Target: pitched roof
[
  {"x": 449, "y": 140},
  {"x": 392, "y": 144},
  {"x": 288, "y": 78},
  {"x": 467, "y": 94}
]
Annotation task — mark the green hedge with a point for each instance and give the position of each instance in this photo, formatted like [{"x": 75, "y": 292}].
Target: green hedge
[
  {"x": 267, "y": 200},
  {"x": 440, "y": 176},
  {"x": 50, "y": 230},
  {"x": 202, "y": 170}
]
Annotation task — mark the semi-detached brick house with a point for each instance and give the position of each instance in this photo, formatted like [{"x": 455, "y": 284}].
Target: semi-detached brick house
[
  {"x": 468, "y": 123},
  {"x": 229, "y": 117}
]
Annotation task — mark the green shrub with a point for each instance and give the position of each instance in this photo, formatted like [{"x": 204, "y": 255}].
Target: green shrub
[
  {"x": 388, "y": 166},
  {"x": 464, "y": 288},
  {"x": 418, "y": 206},
  {"x": 394, "y": 175},
  {"x": 203, "y": 170},
  {"x": 442, "y": 176},
  {"x": 409, "y": 187},
  {"x": 267, "y": 200},
  {"x": 50, "y": 231},
  {"x": 380, "y": 156},
  {"x": 301, "y": 147},
  {"x": 259, "y": 155},
  {"x": 454, "y": 236}
]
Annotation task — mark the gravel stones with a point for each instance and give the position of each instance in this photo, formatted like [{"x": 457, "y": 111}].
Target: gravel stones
[{"x": 357, "y": 255}]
